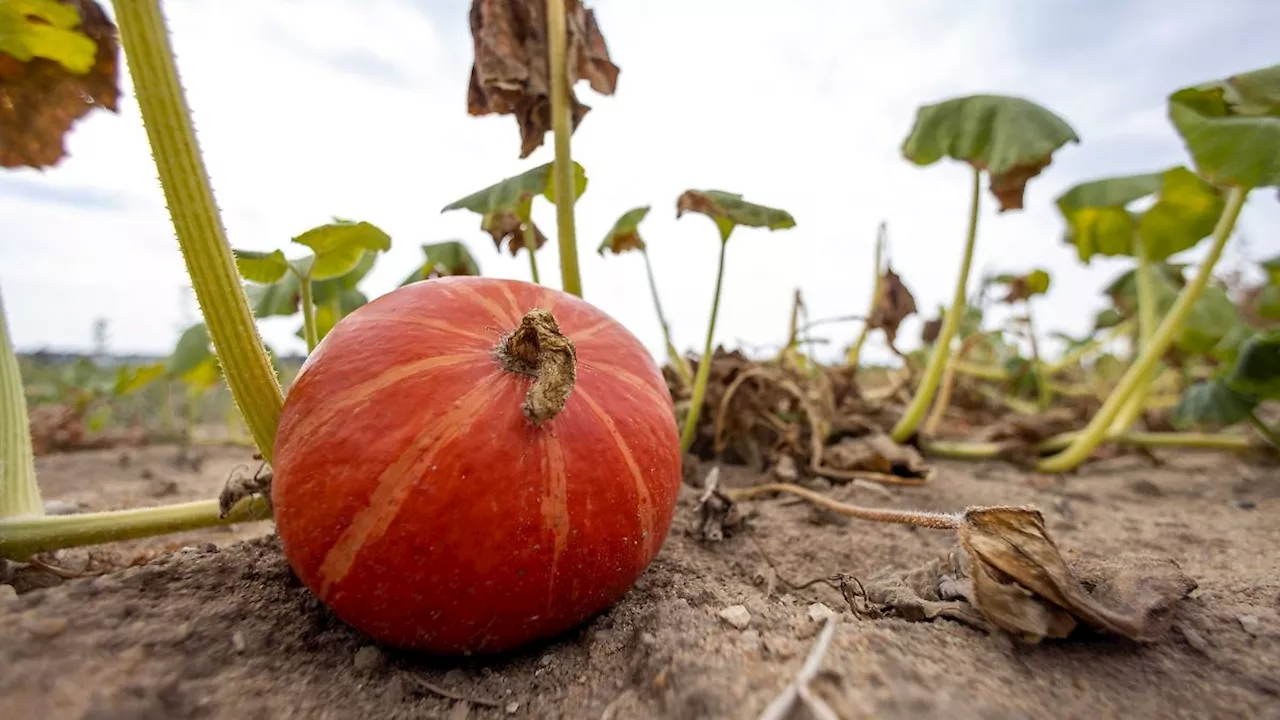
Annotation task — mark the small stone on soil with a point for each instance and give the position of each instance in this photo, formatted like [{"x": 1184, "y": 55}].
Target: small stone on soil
[
  {"x": 7, "y": 594},
  {"x": 512, "y": 707},
  {"x": 818, "y": 612},
  {"x": 368, "y": 658},
  {"x": 1244, "y": 504},
  {"x": 237, "y": 641},
  {"x": 737, "y": 616},
  {"x": 61, "y": 507},
  {"x": 1251, "y": 624},
  {"x": 47, "y": 627}
]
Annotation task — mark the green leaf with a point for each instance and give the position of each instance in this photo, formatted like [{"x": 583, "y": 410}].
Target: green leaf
[
  {"x": 505, "y": 208},
  {"x": 340, "y": 245},
  {"x": 132, "y": 379},
  {"x": 1099, "y": 221},
  {"x": 193, "y": 348},
  {"x": 277, "y": 299},
  {"x": 1212, "y": 403},
  {"x": 330, "y": 312},
  {"x": 1257, "y": 367},
  {"x": 443, "y": 259},
  {"x": 1212, "y": 317},
  {"x": 625, "y": 233},
  {"x": 323, "y": 291},
  {"x": 1267, "y": 304},
  {"x": 1231, "y": 127},
  {"x": 261, "y": 267},
  {"x": 1107, "y": 318},
  {"x": 1023, "y": 287},
  {"x": 1012, "y": 139},
  {"x": 32, "y": 29},
  {"x": 1167, "y": 283},
  {"x": 1228, "y": 348},
  {"x": 1272, "y": 268},
  {"x": 729, "y": 210}
]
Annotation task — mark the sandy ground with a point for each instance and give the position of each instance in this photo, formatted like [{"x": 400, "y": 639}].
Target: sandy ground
[{"x": 214, "y": 625}]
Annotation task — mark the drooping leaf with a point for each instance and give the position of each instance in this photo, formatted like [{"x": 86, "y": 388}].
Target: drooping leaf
[
  {"x": 1024, "y": 287},
  {"x": 506, "y": 207},
  {"x": 192, "y": 349},
  {"x": 894, "y": 303},
  {"x": 339, "y": 246},
  {"x": 1231, "y": 127},
  {"x": 1257, "y": 368},
  {"x": 261, "y": 267},
  {"x": 1012, "y": 139},
  {"x": 729, "y": 210},
  {"x": 625, "y": 233},
  {"x": 324, "y": 290},
  {"x": 131, "y": 379},
  {"x": 444, "y": 259},
  {"x": 1107, "y": 318},
  {"x": 58, "y": 61},
  {"x": 509, "y": 73},
  {"x": 1212, "y": 403},
  {"x": 1099, "y": 221}
]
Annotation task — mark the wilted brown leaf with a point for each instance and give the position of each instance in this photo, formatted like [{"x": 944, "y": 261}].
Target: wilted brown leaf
[
  {"x": 40, "y": 100},
  {"x": 931, "y": 330},
  {"x": 509, "y": 75},
  {"x": 877, "y": 454},
  {"x": 507, "y": 227},
  {"x": 894, "y": 303},
  {"x": 1010, "y": 186},
  {"x": 1022, "y": 584}
]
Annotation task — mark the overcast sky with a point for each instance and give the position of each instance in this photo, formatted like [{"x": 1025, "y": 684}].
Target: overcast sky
[{"x": 326, "y": 108}]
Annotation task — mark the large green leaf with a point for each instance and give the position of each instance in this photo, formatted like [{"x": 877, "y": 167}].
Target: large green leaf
[
  {"x": 1167, "y": 282},
  {"x": 1212, "y": 318},
  {"x": 334, "y": 309},
  {"x": 1212, "y": 403},
  {"x": 443, "y": 259},
  {"x": 132, "y": 379},
  {"x": 625, "y": 233},
  {"x": 193, "y": 348},
  {"x": 1011, "y": 138},
  {"x": 47, "y": 29},
  {"x": 277, "y": 299},
  {"x": 729, "y": 210},
  {"x": 1257, "y": 367},
  {"x": 339, "y": 246},
  {"x": 1099, "y": 221},
  {"x": 261, "y": 267},
  {"x": 1231, "y": 127}
]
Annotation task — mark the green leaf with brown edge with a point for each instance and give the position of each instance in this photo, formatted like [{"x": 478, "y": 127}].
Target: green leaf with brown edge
[
  {"x": 1010, "y": 138},
  {"x": 1212, "y": 403},
  {"x": 341, "y": 245},
  {"x": 1231, "y": 127},
  {"x": 1099, "y": 221},
  {"x": 444, "y": 259},
  {"x": 46, "y": 29},
  {"x": 261, "y": 267},
  {"x": 729, "y": 210},
  {"x": 1024, "y": 287},
  {"x": 506, "y": 207},
  {"x": 625, "y": 233},
  {"x": 1257, "y": 367}
]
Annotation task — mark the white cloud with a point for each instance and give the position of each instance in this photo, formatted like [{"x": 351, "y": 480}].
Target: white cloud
[{"x": 337, "y": 108}]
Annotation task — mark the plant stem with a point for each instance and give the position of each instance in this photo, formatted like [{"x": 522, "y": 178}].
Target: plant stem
[
  {"x": 854, "y": 356},
  {"x": 1044, "y": 394},
  {"x": 307, "y": 302},
  {"x": 201, "y": 235},
  {"x": 1264, "y": 430},
  {"x": 919, "y": 405},
  {"x": 1147, "y": 322},
  {"x": 960, "y": 450},
  {"x": 919, "y": 518},
  {"x": 704, "y": 364},
  {"x": 1075, "y": 354},
  {"x": 562, "y": 128},
  {"x": 679, "y": 363},
  {"x": 21, "y": 538},
  {"x": 1093, "y": 434},
  {"x": 19, "y": 493}
]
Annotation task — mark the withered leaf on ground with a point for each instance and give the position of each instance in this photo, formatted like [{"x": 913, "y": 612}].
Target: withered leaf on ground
[
  {"x": 894, "y": 302},
  {"x": 938, "y": 589},
  {"x": 875, "y": 453},
  {"x": 1020, "y": 433},
  {"x": 41, "y": 99},
  {"x": 509, "y": 75}
]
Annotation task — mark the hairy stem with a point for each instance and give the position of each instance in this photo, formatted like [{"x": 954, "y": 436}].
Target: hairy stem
[
  {"x": 678, "y": 362},
  {"x": 704, "y": 363},
  {"x": 919, "y": 518},
  {"x": 919, "y": 405},
  {"x": 1083, "y": 445},
  {"x": 201, "y": 235},
  {"x": 562, "y": 128},
  {"x": 22, "y": 538},
  {"x": 307, "y": 302},
  {"x": 19, "y": 493},
  {"x": 1147, "y": 322},
  {"x": 854, "y": 356}
]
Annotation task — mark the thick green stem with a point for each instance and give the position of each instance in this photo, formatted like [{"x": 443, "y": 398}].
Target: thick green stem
[
  {"x": 919, "y": 405},
  {"x": 1078, "y": 352},
  {"x": 682, "y": 367},
  {"x": 22, "y": 538},
  {"x": 201, "y": 235},
  {"x": 533, "y": 267},
  {"x": 562, "y": 128},
  {"x": 1137, "y": 373},
  {"x": 704, "y": 364},
  {"x": 854, "y": 356},
  {"x": 308, "y": 306},
  {"x": 19, "y": 493},
  {"x": 1148, "y": 319},
  {"x": 531, "y": 244},
  {"x": 961, "y": 450}
]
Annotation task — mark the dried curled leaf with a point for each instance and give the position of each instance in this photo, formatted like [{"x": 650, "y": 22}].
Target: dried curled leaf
[
  {"x": 1022, "y": 584},
  {"x": 509, "y": 75},
  {"x": 41, "y": 99},
  {"x": 1021, "y": 288},
  {"x": 877, "y": 454},
  {"x": 625, "y": 233},
  {"x": 894, "y": 302},
  {"x": 728, "y": 210},
  {"x": 506, "y": 207}
]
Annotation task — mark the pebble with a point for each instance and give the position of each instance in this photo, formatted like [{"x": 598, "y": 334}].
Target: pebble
[
  {"x": 237, "y": 641},
  {"x": 47, "y": 627},
  {"x": 818, "y": 612},
  {"x": 545, "y": 660},
  {"x": 737, "y": 616},
  {"x": 61, "y": 507},
  {"x": 1251, "y": 624},
  {"x": 512, "y": 707},
  {"x": 461, "y": 710},
  {"x": 368, "y": 658},
  {"x": 7, "y": 595},
  {"x": 751, "y": 640}
]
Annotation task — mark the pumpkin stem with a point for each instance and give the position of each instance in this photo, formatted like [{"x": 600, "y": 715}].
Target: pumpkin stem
[{"x": 538, "y": 349}]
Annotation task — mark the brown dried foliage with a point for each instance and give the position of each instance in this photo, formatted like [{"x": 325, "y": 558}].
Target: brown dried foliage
[
  {"x": 1010, "y": 186},
  {"x": 509, "y": 75},
  {"x": 894, "y": 302},
  {"x": 40, "y": 100},
  {"x": 507, "y": 227}
]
